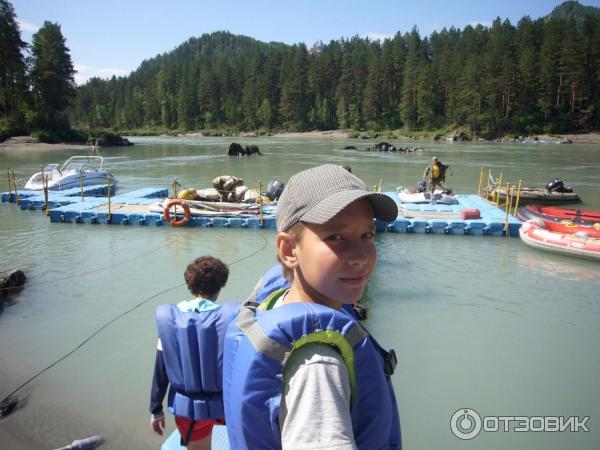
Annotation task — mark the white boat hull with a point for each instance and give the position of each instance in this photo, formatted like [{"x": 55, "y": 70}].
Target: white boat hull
[
  {"x": 72, "y": 181},
  {"x": 77, "y": 171}
]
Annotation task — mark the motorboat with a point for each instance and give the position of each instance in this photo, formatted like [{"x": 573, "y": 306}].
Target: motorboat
[
  {"x": 540, "y": 195},
  {"x": 553, "y": 192},
  {"x": 535, "y": 234},
  {"x": 555, "y": 214},
  {"x": 75, "y": 172}
]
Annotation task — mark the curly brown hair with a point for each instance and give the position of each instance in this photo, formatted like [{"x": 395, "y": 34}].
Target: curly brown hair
[{"x": 206, "y": 276}]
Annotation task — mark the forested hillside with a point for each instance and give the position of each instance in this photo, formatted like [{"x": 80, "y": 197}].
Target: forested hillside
[{"x": 538, "y": 76}]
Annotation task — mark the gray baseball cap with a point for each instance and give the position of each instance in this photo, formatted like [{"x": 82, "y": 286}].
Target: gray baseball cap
[{"x": 317, "y": 195}]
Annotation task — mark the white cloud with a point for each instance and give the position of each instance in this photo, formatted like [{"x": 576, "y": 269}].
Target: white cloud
[
  {"x": 483, "y": 23},
  {"x": 28, "y": 27},
  {"x": 377, "y": 36},
  {"x": 84, "y": 72}
]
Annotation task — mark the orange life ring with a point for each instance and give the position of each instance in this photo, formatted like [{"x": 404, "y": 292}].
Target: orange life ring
[{"x": 186, "y": 212}]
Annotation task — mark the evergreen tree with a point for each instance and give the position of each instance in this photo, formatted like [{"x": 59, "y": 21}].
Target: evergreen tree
[
  {"x": 550, "y": 78},
  {"x": 265, "y": 114},
  {"x": 572, "y": 65},
  {"x": 412, "y": 67},
  {"x": 372, "y": 98},
  {"x": 12, "y": 67},
  {"x": 528, "y": 43},
  {"x": 52, "y": 76}
]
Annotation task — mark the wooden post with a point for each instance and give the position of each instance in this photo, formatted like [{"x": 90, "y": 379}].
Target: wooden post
[
  {"x": 109, "y": 216},
  {"x": 174, "y": 185},
  {"x": 15, "y": 185},
  {"x": 9, "y": 183},
  {"x": 480, "y": 181},
  {"x": 487, "y": 185},
  {"x": 507, "y": 209},
  {"x": 45, "y": 184},
  {"x": 261, "y": 219},
  {"x": 499, "y": 183},
  {"x": 81, "y": 182},
  {"x": 518, "y": 197}
]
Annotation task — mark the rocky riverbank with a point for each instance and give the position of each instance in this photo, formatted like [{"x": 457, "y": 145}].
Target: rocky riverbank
[
  {"x": 590, "y": 138},
  {"x": 22, "y": 143},
  {"x": 31, "y": 142}
]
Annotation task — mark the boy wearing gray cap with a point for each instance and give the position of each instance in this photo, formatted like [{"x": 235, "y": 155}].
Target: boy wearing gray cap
[{"x": 299, "y": 372}]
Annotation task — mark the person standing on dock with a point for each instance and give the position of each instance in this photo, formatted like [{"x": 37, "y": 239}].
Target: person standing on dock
[
  {"x": 182, "y": 363},
  {"x": 435, "y": 174}
]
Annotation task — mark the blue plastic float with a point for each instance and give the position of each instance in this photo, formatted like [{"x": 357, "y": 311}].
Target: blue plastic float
[{"x": 132, "y": 209}]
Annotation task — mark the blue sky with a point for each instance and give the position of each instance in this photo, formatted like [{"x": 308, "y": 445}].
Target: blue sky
[{"x": 109, "y": 37}]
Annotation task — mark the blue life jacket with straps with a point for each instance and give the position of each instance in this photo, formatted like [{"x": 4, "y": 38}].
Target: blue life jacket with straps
[
  {"x": 273, "y": 280},
  {"x": 192, "y": 344},
  {"x": 259, "y": 343}
]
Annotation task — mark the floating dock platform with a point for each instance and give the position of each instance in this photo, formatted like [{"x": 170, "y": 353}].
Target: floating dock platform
[
  {"x": 133, "y": 208},
  {"x": 36, "y": 200}
]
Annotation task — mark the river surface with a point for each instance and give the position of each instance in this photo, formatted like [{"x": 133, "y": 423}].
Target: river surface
[{"x": 477, "y": 322}]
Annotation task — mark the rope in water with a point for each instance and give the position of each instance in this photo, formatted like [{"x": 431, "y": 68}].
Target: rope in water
[
  {"x": 123, "y": 314},
  {"x": 81, "y": 274}
]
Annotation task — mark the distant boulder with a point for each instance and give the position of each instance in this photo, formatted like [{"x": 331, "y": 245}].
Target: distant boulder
[
  {"x": 252, "y": 150},
  {"x": 109, "y": 140},
  {"x": 236, "y": 149},
  {"x": 384, "y": 147}
]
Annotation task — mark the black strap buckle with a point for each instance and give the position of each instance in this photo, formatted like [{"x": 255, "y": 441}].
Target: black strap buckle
[
  {"x": 390, "y": 362},
  {"x": 361, "y": 311}
]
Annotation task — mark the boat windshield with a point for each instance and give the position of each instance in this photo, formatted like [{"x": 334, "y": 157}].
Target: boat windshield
[
  {"x": 83, "y": 163},
  {"x": 49, "y": 168}
]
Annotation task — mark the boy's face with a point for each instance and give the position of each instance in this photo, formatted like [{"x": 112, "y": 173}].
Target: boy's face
[{"x": 334, "y": 261}]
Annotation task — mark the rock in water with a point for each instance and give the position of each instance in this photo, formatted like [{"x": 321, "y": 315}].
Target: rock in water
[{"x": 12, "y": 279}]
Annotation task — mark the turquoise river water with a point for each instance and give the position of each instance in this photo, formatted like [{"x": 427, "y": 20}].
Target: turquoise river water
[{"x": 477, "y": 322}]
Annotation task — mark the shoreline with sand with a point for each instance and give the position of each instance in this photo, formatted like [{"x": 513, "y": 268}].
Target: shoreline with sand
[{"x": 26, "y": 143}]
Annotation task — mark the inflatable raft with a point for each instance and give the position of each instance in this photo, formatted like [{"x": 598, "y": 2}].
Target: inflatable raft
[
  {"x": 535, "y": 234},
  {"x": 550, "y": 213},
  {"x": 568, "y": 227}
]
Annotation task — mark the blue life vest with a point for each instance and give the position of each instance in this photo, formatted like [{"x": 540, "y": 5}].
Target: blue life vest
[
  {"x": 273, "y": 280},
  {"x": 257, "y": 347},
  {"x": 192, "y": 346}
]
